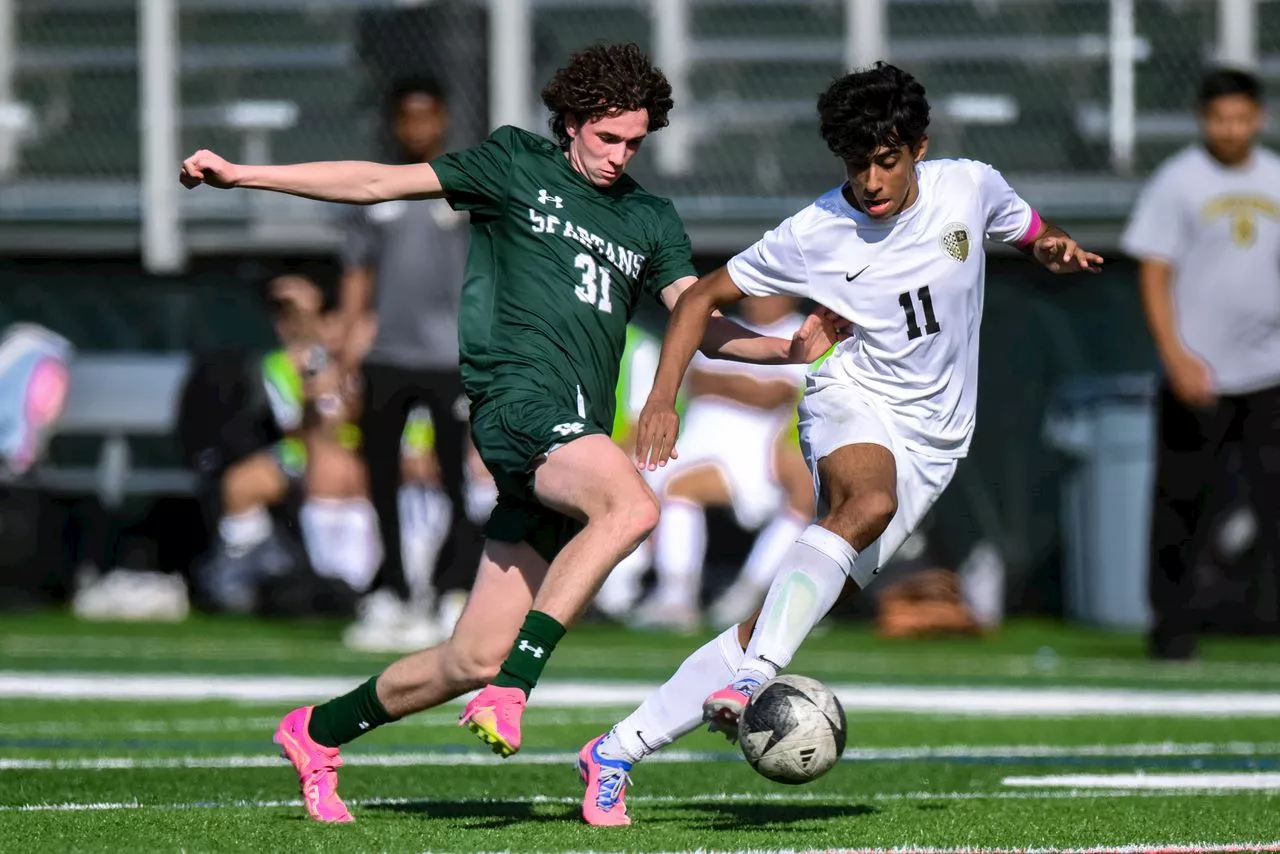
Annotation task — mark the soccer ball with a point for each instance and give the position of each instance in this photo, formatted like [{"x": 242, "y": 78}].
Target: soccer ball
[{"x": 793, "y": 730}]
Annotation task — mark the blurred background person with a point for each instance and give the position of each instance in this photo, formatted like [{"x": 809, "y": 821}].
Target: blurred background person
[
  {"x": 404, "y": 262},
  {"x": 1207, "y": 232},
  {"x": 730, "y": 454},
  {"x": 622, "y": 588},
  {"x": 271, "y": 437}
]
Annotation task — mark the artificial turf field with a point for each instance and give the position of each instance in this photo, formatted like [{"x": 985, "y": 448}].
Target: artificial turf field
[{"x": 157, "y": 738}]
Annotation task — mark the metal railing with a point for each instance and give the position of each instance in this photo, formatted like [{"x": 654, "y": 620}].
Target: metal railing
[{"x": 100, "y": 98}]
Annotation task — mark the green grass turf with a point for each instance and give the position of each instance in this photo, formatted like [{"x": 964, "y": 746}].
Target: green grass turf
[
  {"x": 677, "y": 806},
  {"x": 709, "y": 802},
  {"x": 1024, "y": 653}
]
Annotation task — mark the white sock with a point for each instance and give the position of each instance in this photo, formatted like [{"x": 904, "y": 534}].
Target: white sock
[
  {"x": 482, "y": 497},
  {"x": 770, "y": 548},
  {"x": 240, "y": 532},
  {"x": 675, "y": 708},
  {"x": 342, "y": 541},
  {"x": 813, "y": 573},
  {"x": 414, "y": 544},
  {"x": 680, "y": 547},
  {"x": 425, "y": 515},
  {"x": 621, "y": 589}
]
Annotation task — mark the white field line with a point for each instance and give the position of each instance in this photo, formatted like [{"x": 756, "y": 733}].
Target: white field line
[
  {"x": 886, "y": 663},
  {"x": 987, "y": 702},
  {"x": 243, "y": 724},
  {"x": 1256, "y": 781},
  {"x": 706, "y": 798},
  {"x": 454, "y": 759}
]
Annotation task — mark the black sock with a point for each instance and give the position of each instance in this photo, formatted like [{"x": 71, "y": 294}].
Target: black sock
[
  {"x": 344, "y": 718},
  {"x": 533, "y": 647}
]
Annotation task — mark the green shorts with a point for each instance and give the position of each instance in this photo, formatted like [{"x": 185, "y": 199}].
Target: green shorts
[{"x": 512, "y": 435}]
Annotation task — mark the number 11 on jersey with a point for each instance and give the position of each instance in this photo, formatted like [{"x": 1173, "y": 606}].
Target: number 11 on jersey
[{"x": 931, "y": 325}]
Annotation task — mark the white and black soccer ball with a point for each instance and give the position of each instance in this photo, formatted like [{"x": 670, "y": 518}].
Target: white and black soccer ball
[{"x": 793, "y": 730}]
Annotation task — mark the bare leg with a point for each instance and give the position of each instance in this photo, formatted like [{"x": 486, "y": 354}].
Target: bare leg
[
  {"x": 592, "y": 480},
  {"x": 508, "y": 577}
]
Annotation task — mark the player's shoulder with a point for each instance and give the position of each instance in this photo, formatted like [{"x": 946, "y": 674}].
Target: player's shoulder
[
  {"x": 949, "y": 169},
  {"x": 520, "y": 141},
  {"x": 828, "y": 208},
  {"x": 1267, "y": 158},
  {"x": 1190, "y": 159},
  {"x": 649, "y": 206}
]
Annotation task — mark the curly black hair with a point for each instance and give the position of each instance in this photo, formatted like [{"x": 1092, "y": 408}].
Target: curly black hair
[
  {"x": 607, "y": 79},
  {"x": 879, "y": 106}
]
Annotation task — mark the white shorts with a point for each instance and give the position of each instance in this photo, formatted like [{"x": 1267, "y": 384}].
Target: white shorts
[
  {"x": 739, "y": 442},
  {"x": 834, "y": 414}
]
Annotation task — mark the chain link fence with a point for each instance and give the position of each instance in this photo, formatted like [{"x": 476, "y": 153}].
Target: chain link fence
[{"x": 1024, "y": 84}]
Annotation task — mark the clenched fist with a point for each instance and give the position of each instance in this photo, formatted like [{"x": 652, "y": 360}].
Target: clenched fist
[{"x": 205, "y": 167}]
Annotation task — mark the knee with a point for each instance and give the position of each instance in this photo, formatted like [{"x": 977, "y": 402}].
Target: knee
[
  {"x": 469, "y": 667},
  {"x": 863, "y": 518},
  {"x": 637, "y": 517},
  {"x": 251, "y": 483}
]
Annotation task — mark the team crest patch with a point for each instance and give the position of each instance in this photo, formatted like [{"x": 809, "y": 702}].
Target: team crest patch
[{"x": 955, "y": 241}]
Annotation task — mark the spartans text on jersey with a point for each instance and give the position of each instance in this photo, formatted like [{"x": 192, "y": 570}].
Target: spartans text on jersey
[{"x": 626, "y": 260}]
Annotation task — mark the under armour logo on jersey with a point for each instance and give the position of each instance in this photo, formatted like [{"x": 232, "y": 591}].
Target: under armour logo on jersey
[
  {"x": 569, "y": 429},
  {"x": 535, "y": 651},
  {"x": 544, "y": 197}
]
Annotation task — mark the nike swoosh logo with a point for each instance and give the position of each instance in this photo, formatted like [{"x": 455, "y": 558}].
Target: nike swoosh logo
[{"x": 849, "y": 278}]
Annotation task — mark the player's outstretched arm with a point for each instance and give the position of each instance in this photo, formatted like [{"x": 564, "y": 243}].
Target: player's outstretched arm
[
  {"x": 724, "y": 339},
  {"x": 1057, "y": 252},
  {"x": 354, "y": 182},
  {"x": 691, "y": 302}
]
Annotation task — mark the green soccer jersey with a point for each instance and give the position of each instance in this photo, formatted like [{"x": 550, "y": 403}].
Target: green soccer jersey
[{"x": 556, "y": 268}]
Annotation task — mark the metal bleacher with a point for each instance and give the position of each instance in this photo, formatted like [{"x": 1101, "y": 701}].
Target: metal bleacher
[
  {"x": 1020, "y": 83},
  {"x": 76, "y": 72}
]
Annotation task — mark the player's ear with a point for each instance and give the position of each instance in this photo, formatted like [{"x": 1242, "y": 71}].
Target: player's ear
[
  {"x": 921, "y": 147},
  {"x": 572, "y": 125}
]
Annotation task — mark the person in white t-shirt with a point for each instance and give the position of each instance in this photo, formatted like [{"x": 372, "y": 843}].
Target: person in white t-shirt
[
  {"x": 896, "y": 250},
  {"x": 1206, "y": 232},
  {"x": 731, "y": 455}
]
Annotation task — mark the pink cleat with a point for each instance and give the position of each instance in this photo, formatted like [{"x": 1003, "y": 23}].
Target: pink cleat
[
  {"x": 494, "y": 716},
  {"x": 316, "y": 766},
  {"x": 722, "y": 709},
  {"x": 604, "y": 804}
]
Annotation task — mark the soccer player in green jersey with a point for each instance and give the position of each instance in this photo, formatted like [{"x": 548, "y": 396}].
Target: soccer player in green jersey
[{"x": 563, "y": 247}]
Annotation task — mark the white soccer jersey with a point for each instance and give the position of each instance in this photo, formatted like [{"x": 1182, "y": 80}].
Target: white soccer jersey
[{"x": 912, "y": 285}]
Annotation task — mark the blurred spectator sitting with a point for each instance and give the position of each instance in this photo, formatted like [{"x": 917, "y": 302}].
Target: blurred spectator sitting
[
  {"x": 621, "y": 590},
  {"x": 739, "y": 447},
  {"x": 275, "y": 429}
]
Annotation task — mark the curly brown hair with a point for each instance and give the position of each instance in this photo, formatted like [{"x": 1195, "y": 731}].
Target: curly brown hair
[{"x": 604, "y": 80}]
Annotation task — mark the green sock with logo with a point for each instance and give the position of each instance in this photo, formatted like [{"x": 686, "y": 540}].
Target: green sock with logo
[
  {"x": 533, "y": 647},
  {"x": 343, "y": 718}
]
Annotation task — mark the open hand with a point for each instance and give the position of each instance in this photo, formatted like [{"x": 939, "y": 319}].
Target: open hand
[
  {"x": 1191, "y": 380},
  {"x": 656, "y": 431},
  {"x": 205, "y": 167},
  {"x": 821, "y": 331},
  {"x": 1061, "y": 254}
]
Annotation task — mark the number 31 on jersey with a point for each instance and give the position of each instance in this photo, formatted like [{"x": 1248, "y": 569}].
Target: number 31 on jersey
[{"x": 595, "y": 282}]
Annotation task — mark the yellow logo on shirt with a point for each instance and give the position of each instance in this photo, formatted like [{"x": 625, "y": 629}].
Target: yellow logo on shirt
[
  {"x": 1242, "y": 211},
  {"x": 955, "y": 241}
]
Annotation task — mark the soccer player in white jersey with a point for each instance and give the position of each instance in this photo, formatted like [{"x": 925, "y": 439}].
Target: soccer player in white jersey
[
  {"x": 729, "y": 450},
  {"x": 896, "y": 249}
]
